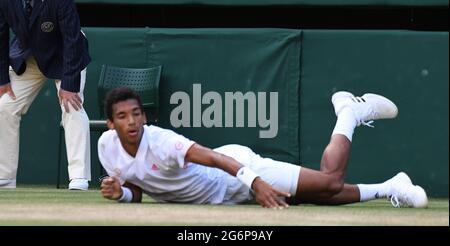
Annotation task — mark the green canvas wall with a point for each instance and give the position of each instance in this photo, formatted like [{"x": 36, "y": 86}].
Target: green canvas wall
[{"x": 305, "y": 67}]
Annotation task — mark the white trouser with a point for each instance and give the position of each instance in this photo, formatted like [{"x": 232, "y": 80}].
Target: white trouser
[
  {"x": 76, "y": 124},
  {"x": 282, "y": 176}
]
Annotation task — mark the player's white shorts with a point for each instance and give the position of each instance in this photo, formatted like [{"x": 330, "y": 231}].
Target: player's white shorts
[{"x": 282, "y": 176}]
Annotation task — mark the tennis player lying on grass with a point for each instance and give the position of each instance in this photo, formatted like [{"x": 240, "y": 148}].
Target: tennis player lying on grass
[{"x": 171, "y": 168}]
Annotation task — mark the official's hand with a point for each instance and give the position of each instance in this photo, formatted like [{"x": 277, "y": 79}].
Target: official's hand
[
  {"x": 66, "y": 97},
  {"x": 6, "y": 89},
  {"x": 268, "y": 196},
  {"x": 111, "y": 188}
]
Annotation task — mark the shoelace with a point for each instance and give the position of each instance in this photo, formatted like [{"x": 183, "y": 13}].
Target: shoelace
[
  {"x": 368, "y": 123},
  {"x": 362, "y": 122},
  {"x": 395, "y": 202},
  {"x": 401, "y": 200}
]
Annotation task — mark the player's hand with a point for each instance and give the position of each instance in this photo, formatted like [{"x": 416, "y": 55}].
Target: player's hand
[
  {"x": 268, "y": 196},
  {"x": 6, "y": 89},
  {"x": 66, "y": 97},
  {"x": 111, "y": 188}
]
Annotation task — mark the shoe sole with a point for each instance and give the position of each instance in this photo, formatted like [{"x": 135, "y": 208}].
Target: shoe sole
[
  {"x": 8, "y": 183},
  {"x": 390, "y": 115},
  {"x": 7, "y": 186},
  {"x": 77, "y": 189}
]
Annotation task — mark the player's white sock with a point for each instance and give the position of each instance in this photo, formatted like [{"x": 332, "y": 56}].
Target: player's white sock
[
  {"x": 369, "y": 192},
  {"x": 345, "y": 124}
]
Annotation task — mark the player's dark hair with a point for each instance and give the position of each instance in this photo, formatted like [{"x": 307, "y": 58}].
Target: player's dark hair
[{"x": 117, "y": 95}]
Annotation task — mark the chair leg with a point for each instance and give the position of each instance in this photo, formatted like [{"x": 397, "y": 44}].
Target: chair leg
[
  {"x": 102, "y": 172},
  {"x": 58, "y": 174}
]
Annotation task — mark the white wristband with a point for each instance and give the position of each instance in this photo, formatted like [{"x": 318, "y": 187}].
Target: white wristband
[
  {"x": 127, "y": 195},
  {"x": 246, "y": 176}
]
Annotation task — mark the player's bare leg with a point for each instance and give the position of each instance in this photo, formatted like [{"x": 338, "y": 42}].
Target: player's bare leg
[{"x": 327, "y": 185}]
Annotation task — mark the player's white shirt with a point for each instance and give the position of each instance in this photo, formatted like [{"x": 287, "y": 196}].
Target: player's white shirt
[{"x": 160, "y": 170}]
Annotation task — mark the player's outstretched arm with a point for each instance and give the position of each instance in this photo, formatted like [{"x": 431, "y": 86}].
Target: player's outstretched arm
[{"x": 265, "y": 194}]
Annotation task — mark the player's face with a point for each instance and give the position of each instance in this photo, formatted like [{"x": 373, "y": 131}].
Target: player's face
[{"x": 128, "y": 120}]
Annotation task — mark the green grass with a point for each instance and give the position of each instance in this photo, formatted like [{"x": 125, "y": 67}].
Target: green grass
[{"x": 38, "y": 205}]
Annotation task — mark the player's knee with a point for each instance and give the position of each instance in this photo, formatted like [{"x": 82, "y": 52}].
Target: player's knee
[{"x": 334, "y": 185}]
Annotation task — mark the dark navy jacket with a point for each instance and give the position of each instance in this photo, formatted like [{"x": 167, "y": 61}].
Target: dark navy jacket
[{"x": 52, "y": 35}]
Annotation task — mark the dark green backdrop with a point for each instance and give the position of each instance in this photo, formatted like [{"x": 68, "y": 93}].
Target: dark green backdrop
[{"x": 305, "y": 68}]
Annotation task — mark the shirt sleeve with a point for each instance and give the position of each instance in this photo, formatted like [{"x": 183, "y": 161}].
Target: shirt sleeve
[
  {"x": 169, "y": 148},
  {"x": 73, "y": 46},
  {"x": 106, "y": 152}
]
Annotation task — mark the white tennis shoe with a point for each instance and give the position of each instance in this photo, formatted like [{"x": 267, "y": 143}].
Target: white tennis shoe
[
  {"x": 366, "y": 108},
  {"x": 403, "y": 193},
  {"x": 78, "y": 184},
  {"x": 7, "y": 183}
]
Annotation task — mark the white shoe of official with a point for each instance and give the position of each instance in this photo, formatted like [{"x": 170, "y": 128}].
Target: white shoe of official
[
  {"x": 403, "y": 193},
  {"x": 7, "y": 183},
  {"x": 78, "y": 184},
  {"x": 366, "y": 108}
]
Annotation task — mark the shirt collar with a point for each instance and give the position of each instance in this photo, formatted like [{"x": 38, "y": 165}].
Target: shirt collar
[{"x": 140, "y": 155}]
